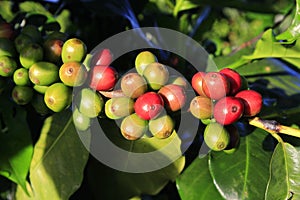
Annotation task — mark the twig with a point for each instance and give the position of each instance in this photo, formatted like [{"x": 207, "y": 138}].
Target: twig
[{"x": 274, "y": 128}]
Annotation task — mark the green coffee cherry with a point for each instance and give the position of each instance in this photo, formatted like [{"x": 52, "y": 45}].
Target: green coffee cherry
[
  {"x": 58, "y": 97},
  {"x": 40, "y": 88},
  {"x": 73, "y": 49},
  {"x": 39, "y": 104},
  {"x": 21, "y": 77},
  {"x": 156, "y": 74},
  {"x": 33, "y": 32},
  {"x": 31, "y": 54},
  {"x": 216, "y": 136},
  {"x": 43, "y": 73},
  {"x": 122, "y": 106},
  {"x": 90, "y": 103},
  {"x": 133, "y": 127},
  {"x": 72, "y": 74},
  {"x": 21, "y": 41},
  {"x": 161, "y": 127},
  {"x": 81, "y": 121},
  {"x": 7, "y": 66},
  {"x": 22, "y": 95},
  {"x": 7, "y": 48},
  {"x": 142, "y": 60}
]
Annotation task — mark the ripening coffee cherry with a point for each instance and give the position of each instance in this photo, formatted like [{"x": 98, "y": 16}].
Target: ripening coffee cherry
[
  {"x": 90, "y": 103},
  {"x": 109, "y": 111},
  {"x": 58, "y": 97},
  {"x": 102, "y": 57},
  {"x": 228, "y": 110},
  {"x": 103, "y": 78},
  {"x": 143, "y": 59},
  {"x": 72, "y": 74},
  {"x": 81, "y": 121},
  {"x": 7, "y": 66},
  {"x": 201, "y": 107},
  {"x": 216, "y": 136},
  {"x": 133, "y": 127},
  {"x": 235, "y": 80},
  {"x": 22, "y": 95},
  {"x": 156, "y": 75},
  {"x": 6, "y": 30},
  {"x": 7, "y": 48},
  {"x": 252, "y": 101},
  {"x": 174, "y": 96},
  {"x": 162, "y": 126},
  {"x": 21, "y": 41},
  {"x": 149, "y": 105},
  {"x": 215, "y": 85},
  {"x": 52, "y": 50},
  {"x": 197, "y": 82},
  {"x": 21, "y": 77},
  {"x": 31, "y": 54},
  {"x": 43, "y": 73},
  {"x": 133, "y": 85},
  {"x": 122, "y": 106},
  {"x": 73, "y": 49},
  {"x": 178, "y": 80}
]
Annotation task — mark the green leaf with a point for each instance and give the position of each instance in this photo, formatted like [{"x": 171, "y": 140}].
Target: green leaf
[
  {"x": 183, "y": 5},
  {"x": 268, "y": 47},
  {"x": 243, "y": 174},
  {"x": 5, "y": 10},
  {"x": 16, "y": 145},
  {"x": 195, "y": 183},
  {"x": 59, "y": 159},
  {"x": 292, "y": 33},
  {"x": 284, "y": 173},
  {"x": 136, "y": 183},
  {"x": 105, "y": 181}
]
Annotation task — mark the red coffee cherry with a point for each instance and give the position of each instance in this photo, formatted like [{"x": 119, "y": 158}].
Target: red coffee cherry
[
  {"x": 149, "y": 105},
  {"x": 252, "y": 101},
  {"x": 215, "y": 85},
  {"x": 234, "y": 78},
  {"x": 103, "y": 78},
  {"x": 174, "y": 96},
  {"x": 228, "y": 110},
  {"x": 197, "y": 82},
  {"x": 102, "y": 57}
]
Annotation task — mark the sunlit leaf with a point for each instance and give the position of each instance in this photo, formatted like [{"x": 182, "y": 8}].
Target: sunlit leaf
[
  {"x": 293, "y": 31},
  {"x": 16, "y": 146},
  {"x": 243, "y": 174},
  {"x": 58, "y": 161},
  {"x": 182, "y": 5},
  {"x": 284, "y": 181},
  {"x": 195, "y": 183}
]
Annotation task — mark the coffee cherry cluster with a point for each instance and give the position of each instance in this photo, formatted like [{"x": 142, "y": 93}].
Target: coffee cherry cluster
[
  {"x": 223, "y": 99},
  {"x": 43, "y": 66},
  {"x": 148, "y": 98}
]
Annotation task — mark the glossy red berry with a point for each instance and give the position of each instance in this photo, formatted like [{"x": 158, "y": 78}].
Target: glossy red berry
[
  {"x": 228, "y": 110},
  {"x": 252, "y": 101},
  {"x": 149, "y": 105},
  {"x": 215, "y": 85},
  {"x": 102, "y": 57},
  {"x": 103, "y": 78},
  {"x": 174, "y": 96},
  {"x": 197, "y": 82},
  {"x": 234, "y": 78}
]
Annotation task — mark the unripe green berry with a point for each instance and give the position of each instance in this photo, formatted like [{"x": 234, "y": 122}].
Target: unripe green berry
[{"x": 21, "y": 77}]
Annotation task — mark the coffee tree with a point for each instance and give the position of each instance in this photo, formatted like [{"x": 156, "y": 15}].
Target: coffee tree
[{"x": 204, "y": 108}]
